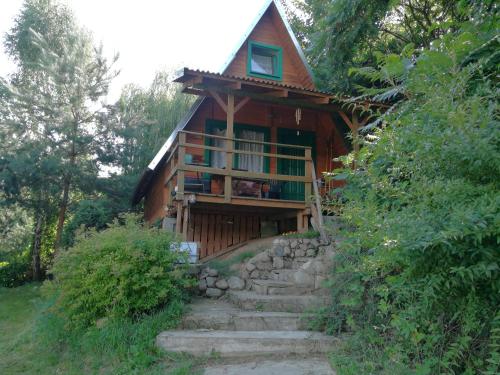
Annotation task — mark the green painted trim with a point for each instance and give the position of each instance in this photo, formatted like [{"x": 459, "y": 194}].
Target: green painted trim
[
  {"x": 279, "y": 61},
  {"x": 210, "y": 124}
]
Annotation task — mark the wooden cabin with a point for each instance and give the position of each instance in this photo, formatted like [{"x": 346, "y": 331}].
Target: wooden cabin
[{"x": 247, "y": 161}]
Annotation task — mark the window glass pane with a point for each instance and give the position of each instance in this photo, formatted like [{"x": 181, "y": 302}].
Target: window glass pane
[
  {"x": 262, "y": 64},
  {"x": 218, "y": 158},
  {"x": 252, "y": 163}
]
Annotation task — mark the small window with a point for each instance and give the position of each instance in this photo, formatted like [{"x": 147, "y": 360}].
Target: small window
[{"x": 264, "y": 61}]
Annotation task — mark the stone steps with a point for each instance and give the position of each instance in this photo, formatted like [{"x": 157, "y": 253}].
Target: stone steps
[
  {"x": 244, "y": 321},
  {"x": 274, "y": 287},
  {"x": 252, "y": 301},
  {"x": 245, "y": 343},
  {"x": 275, "y": 367}
]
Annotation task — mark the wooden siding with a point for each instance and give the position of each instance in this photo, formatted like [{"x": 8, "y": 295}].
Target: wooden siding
[
  {"x": 216, "y": 232},
  {"x": 271, "y": 30}
]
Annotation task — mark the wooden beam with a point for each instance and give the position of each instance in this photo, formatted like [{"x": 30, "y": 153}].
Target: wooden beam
[
  {"x": 308, "y": 172},
  {"x": 178, "y": 222},
  {"x": 234, "y": 85},
  {"x": 319, "y": 100},
  {"x": 279, "y": 93},
  {"x": 193, "y": 81},
  {"x": 185, "y": 221},
  {"x": 228, "y": 188},
  {"x": 219, "y": 100},
  {"x": 347, "y": 120},
  {"x": 241, "y": 103},
  {"x": 252, "y": 202},
  {"x": 319, "y": 220}
]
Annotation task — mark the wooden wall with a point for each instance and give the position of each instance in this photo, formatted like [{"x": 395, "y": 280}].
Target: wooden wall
[
  {"x": 216, "y": 232},
  {"x": 328, "y": 140},
  {"x": 271, "y": 30}
]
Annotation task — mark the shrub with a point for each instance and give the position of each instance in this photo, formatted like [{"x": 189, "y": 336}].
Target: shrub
[
  {"x": 123, "y": 271},
  {"x": 421, "y": 271}
]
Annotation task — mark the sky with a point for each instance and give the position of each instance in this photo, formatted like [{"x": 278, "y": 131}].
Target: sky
[{"x": 154, "y": 35}]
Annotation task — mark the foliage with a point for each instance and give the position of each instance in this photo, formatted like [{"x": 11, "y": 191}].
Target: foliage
[
  {"x": 36, "y": 341},
  {"x": 341, "y": 34},
  {"x": 123, "y": 271},
  {"x": 15, "y": 233},
  {"x": 95, "y": 213},
  {"x": 143, "y": 119},
  {"x": 60, "y": 143},
  {"x": 419, "y": 277}
]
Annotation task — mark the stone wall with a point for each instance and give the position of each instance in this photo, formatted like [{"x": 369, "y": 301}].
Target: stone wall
[{"x": 303, "y": 262}]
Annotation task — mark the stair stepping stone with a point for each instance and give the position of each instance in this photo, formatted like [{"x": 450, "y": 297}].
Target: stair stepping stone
[
  {"x": 245, "y": 343},
  {"x": 288, "y": 367},
  {"x": 248, "y": 300}
]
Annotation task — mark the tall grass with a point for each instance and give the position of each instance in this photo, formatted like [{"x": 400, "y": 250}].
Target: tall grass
[{"x": 34, "y": 340}]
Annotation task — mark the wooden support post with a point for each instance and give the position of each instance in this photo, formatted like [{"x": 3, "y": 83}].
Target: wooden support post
[
  {"x": 300, "y": 222},
  {"x": 185, "y": 222},
  {"x": 178, "y": 223},
  {"x": 308, "y": 173},
  {"x": 319, "y": 216},
  {"x": 180, "y": 164},
  {"x": 228, "y": 190}
]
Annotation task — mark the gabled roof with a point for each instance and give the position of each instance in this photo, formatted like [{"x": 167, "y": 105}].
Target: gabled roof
[
  {"x": 252, "y": 26},
  {"x": 143, "y": 185}
]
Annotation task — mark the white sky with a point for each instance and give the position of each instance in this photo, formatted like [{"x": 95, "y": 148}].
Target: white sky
[{"x": 154, "y": 35}]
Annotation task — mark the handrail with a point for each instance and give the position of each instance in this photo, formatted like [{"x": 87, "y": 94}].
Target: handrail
[
  {"x": 245, "y": 152},
  {"x": 245, "y": 140}
]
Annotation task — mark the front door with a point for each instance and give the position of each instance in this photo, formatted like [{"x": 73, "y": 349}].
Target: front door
[{"x": 294, "y": 190}]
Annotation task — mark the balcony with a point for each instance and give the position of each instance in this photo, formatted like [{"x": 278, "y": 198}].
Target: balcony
[{"x": 190, "y": 174}]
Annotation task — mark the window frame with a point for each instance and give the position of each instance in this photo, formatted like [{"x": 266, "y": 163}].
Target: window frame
[{"x": 275, "y": 51}]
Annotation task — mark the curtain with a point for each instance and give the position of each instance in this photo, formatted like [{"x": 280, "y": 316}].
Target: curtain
[
  {"x": 251, "y": 163},
  {"x": 218, "y": 158}
]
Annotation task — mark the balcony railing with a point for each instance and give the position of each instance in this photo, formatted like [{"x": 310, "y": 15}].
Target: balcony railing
[{"x": 189, "y": 170}]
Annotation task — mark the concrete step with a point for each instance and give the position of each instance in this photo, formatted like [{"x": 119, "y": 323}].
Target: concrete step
[
  {"x": 274, "y": 287},
  {"x": 245, "y": 343},
  {"x": 275, "y": 367},
  {"x": 244, "y": 321},
  {"x": 252, "y": 301}
]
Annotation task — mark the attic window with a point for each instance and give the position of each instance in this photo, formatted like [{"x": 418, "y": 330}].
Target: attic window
[{"x": 264, "y": 61}]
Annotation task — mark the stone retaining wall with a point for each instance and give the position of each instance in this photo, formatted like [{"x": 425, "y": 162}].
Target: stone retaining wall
[{"x": 302, "y": 261}]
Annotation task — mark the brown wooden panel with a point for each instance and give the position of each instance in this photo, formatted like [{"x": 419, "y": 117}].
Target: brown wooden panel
[
  {"x": 204, "y": 236},
  {"x": 218, "y": 233},
  {"x": 236, "y": 230},
  {"x": 197, "y": 228},
  {"x": 256, "y": 227},
  {"x": 211, "y": 236}
]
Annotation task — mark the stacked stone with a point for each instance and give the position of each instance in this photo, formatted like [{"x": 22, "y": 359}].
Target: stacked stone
[
  {"x": 302, "y": 260},
  {"x": 212, "y": 285}
]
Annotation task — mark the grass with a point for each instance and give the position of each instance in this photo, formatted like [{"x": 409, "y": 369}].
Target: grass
[
  {"x": 224, "y": 266},
  {"x": 34, "y": 341}
]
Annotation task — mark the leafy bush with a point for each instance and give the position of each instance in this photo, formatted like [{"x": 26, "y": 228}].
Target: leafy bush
[
  {"x": 95, "y": 213},
  {"x": 123, "y": 271},
  {"x": 419, "y": 276}
]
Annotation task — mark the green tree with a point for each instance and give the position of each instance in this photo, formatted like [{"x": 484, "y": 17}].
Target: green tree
[
  {"x": 341, "y": 34},
  {"x": 418, "y": 277},
  {"x": 50, "y": 108}
]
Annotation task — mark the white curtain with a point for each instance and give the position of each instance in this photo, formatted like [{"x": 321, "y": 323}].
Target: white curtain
[
  {"x": 218, "y": 158},
  {"x": 251, "y": 163}
]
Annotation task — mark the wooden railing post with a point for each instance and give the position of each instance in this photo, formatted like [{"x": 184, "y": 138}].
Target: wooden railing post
[
  {"x": 180, "y": 166},
  {"x": 308, "y": 173},
  {"x": 228, "y": 189}
]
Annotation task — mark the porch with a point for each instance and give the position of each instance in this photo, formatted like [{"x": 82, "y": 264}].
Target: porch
[{"x": 226, "y": 204}]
